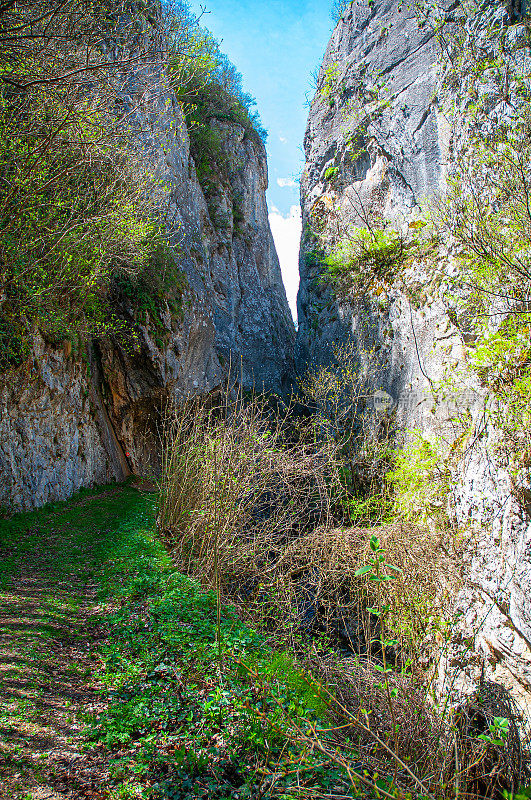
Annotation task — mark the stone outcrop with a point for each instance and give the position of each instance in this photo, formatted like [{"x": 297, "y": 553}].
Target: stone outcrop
[
  {"x": 75, "y": 416},
  {"x": 379, "y": 144},
  {"x": 375, "y": 144}
]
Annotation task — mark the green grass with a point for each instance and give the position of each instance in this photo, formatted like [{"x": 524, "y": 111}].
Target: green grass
[{"x": 196, "y": 703}]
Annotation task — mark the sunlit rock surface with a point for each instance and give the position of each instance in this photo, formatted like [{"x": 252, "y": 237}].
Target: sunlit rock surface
[
  {"x": 71, "y": 419},
  {"x": 379, "y": 145}
]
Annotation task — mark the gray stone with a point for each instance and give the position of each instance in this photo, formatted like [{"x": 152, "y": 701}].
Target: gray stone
[
  {"x": 384, "y": 123},
  {"x": 66, "y": 424}
]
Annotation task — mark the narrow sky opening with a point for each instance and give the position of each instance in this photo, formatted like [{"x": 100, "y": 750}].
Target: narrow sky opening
[{"x": 276, "y": 45}]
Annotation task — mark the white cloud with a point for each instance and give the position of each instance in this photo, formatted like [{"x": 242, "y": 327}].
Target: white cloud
[
  {"x": 283, "y": 182},
  {"x": 287, "y": 234},
  {"x": 283, "y": 139}
]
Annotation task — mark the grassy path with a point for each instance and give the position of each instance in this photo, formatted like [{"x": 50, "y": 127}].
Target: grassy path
[
  {"x": 123, "y": 679},
  {"x": 51, "y": 566}
]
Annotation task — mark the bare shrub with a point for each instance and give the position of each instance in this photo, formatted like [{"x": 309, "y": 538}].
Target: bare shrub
[
  {"x": 250, "y": 512},
  {"x": 234, "y": 493},
  {"x": 475, "y": 751},
  {"x": 356, "y": 693},
  {"x": 242, "y": 506},
  {"x": 417, "y": 597},
  {"x": 341, "y": 394},
  {"x": 493, "y": 759}
]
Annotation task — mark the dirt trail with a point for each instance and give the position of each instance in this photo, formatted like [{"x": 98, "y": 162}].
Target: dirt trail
[
  {"x": 48, "y": 647},
  {"x": 45, "y": 667}
]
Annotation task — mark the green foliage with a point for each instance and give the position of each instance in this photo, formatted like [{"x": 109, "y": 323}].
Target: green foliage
[
  {"x": 314, "y": 258},
  {"x": 498, "y": 731},
  {"x": 331, "y": 173},
  {"x": 365, "y": 258},
  {"x": 69, "y": 220},
  {"x": 420, "y": 479},
  {"x": 160, "y": 285},
  {"x": 238, "y": 215},
  {"x": 177, "y": 721},
  {"x": 329, "y": 81},
  {"x": 210, "y": 89},
  {"x": 280, "y": 667},
  {"x": 210, "y": 158}
]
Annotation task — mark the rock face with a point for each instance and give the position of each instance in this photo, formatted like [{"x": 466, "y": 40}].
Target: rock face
[
  {"x": 73, "y": 417},
  {"x": 379, "y": 144},
  {"x": 375, "y": 145}
]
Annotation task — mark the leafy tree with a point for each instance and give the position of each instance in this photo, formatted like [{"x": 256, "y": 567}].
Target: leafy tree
[
  {"x": 74, "y": 194},
  {"x": 206, "y": 82}
]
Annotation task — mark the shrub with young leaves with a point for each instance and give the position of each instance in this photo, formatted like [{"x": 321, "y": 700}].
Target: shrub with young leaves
[
  {"x": 73, "y": 217},
  {"x": 365, "y": 258},
  {"x": 420, "y": 479},
  {"x": 74, "y": 191}
]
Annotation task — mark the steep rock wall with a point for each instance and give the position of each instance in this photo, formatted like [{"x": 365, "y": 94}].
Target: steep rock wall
[
  {"x": 374, "y": 121},
  {"x": 75, "y": 416},
  {"x": 379, "y": 143}
]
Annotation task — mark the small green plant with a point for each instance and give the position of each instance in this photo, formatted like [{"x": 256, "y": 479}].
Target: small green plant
[
  {"x": 380, "y": 572},
  {"x": 210, "y": 158},
  {"x": 238, "y": 215},
  {"x": 331, "y": 173},
  {"x": 365, "y": 258},
  {"x": 159, "y": 286},
  {"x": 330, "y": 80},
  {"x": 498, "y": 732},
  {"x": 420, "y": 479}
]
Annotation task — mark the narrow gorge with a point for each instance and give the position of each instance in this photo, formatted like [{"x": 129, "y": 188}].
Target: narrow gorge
[{"x": 242, "y": 557}]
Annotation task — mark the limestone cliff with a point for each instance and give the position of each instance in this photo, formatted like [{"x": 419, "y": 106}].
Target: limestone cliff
[
  {"x": 385, "y": 126},
  {"x": 89, "y": 411}
]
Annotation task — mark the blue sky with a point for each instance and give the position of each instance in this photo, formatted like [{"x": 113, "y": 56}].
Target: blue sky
[{"x": 276, "y": 45}]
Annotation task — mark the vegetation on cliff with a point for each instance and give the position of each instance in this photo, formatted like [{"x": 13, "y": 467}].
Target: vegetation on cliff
[
  {"x": 480, "y": 224},
  {"x": 211, "y": 92},
  {"x": 402, "y": 297},
  {"x": 181, "y": 693},
  {"x": 74, "y": 205},
  {"x": 79, "y": 221}
]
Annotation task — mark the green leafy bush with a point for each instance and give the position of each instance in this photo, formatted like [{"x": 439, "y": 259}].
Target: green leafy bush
[
  {"x": 160, "y": 285},
  {"x": 420, "y": 479},
  {"x": 331, "y": 173},
  {"x": 329, "y": 81},
  {"x": 69, "y": 222},
  {"x": 209, "y": 88},
  {"x": 74, "y": 207},
  {"x": 365, "y": 257}
]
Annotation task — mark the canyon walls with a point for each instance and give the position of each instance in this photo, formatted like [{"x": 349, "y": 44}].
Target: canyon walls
[
  {"x": 88, "y": 411},
  {"x": 390, "y": 118}
]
